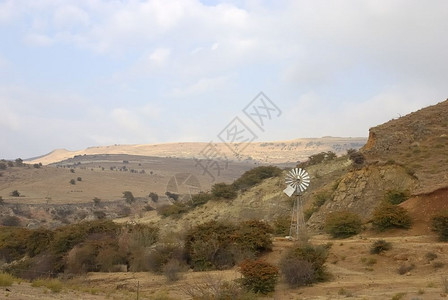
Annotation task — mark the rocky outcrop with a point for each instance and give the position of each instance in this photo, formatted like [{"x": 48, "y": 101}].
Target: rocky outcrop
[
  {"x": 360, "y": 191},
  {"x": 418, "y": 141}
]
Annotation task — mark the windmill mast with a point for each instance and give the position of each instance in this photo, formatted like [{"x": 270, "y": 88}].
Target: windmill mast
[{"x": 297, "y": 181}]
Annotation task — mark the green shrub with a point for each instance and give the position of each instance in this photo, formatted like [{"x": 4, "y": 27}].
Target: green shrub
[
  {"x": 54, "y": 285},
  {"x": 368, "y": 261},
  {"x": 6, "y": 279},
  {"x": 96, "y": 201},
  {"x": 223, "y": 190},
  {"x": 439, "y": 224},
  {"x": 356, "y": 157},
  {"x": 108, "y": 257},
  {"x": 209, "y": 246},
  {"x": 15, "y": 193},
  {"x": 405, "y": 268},
  {"x": 430, "y": 256},
  {"x": 254, "y": 236},
  {"x": 82, "y": 259},
  {"x": 65, "y": 238},
  {"x": 142, "y": 235},
  {"x": 38, "y": 241},
  {"x": 255, "y": 176},
  {"x": 128, "y": 197},
  {"x": 388, "y": 216},
  {"x": 172, "y": 269},
  {"x": 297, "y": 272},
  {"x": 218, "y": 245},
  {"x": 282, "y": 225},
  {"x": 173, "y": 196},
  {"x": 200, "y": 199},
  {"x": 12, "y": 221},
  {"x": 343, "y": 224},
  {"x": 396, "y": 197},
  {"x": 320, "y": 198},
  {"x": 154, "y": 197},
  {"x": 13, "y": 243},
  {"x": 161, "y": 254},
  {"x": 173, "y": 210},
  {"x": 320, "y": 157},
  {"x": 380, "y": 246},
  {"x": 309, "y": 212},
  {"x": 258, "y": 276}
]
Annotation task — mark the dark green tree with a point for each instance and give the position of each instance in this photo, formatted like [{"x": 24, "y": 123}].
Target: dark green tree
[{"x": 128, "y": 196}]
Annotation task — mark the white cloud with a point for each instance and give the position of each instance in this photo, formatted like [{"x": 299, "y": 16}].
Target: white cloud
[
  {"x": 70, "y": 16},
  {"x": 126, "y": 119},
  {"x": 6, "y": 10},
  {"x": 39, "y": 40},
  {"x": 314, "y": 115},
  {"x": 201, "y": 86},
  {"x": 10, "y": 119},
  {"x": 159, "y": 56},
  {"x": 151, "y": 111}
]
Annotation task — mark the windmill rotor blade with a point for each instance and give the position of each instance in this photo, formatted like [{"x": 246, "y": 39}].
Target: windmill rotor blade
[{"x": 297, "y": 179}]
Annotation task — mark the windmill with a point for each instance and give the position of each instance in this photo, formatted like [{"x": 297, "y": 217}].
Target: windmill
[{"x": 297, "y": 181}]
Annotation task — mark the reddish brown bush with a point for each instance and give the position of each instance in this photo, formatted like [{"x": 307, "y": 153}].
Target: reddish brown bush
[{"x": 259, "y": 276}]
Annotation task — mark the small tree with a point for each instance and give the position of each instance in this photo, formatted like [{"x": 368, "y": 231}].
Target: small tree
[
  {"x": 255, "y": 176},
  {"x": 154, "y": 197},
  {"x": 2, "y": 201},
  {"x": 200, "y": 199},
  {"x": 380, "y": 246},
  {"x": 3, "y": 166},
  {"x": 304, "y": 264},
  {"x": 356, "y": 157},
  {"x": 19, "y": 162},
  {"x": 127, "y": 195},
  {"x": 439, "y": 224},
  {"x": 72, "y": 170},
  {"x": 343, "y": 224},
  {"x": 72, "y": 181},
  {"x": 388, "y": 216},
  {"x": 259, "y": 276},
  {"x": 223, "y": 190},
  {"x": 79, "y": 179},
  {"x": 13, "y": 221},
  {"x": 396, "y": 197},
  {"x": 96, "y": 201},
  {"x": 173, "y": 196},
  {"x": 15, "y": 193}
]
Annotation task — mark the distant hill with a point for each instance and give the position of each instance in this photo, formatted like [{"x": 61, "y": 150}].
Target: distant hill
[{"x": 263, "y": 152}]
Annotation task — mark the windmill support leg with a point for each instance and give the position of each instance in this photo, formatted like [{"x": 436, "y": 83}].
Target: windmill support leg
[{"x": 298, "y": 226}]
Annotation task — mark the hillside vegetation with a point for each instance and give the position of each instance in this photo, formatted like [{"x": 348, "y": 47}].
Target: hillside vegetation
[{"x": 376, "y": 219}]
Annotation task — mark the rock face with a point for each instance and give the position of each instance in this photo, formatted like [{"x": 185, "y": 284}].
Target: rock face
[
  {"x": 360, "y": 191},
  {"x": 418, "y": 141},
  {"x": 418, "y": 127}
]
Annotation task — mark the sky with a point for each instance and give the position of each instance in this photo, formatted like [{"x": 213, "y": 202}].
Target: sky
[{"x": 80, "y": 73}]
